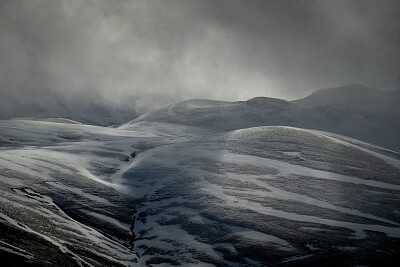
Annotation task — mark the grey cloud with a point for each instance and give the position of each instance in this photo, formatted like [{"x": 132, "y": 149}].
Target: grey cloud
[{"x": 151, "y": 53}]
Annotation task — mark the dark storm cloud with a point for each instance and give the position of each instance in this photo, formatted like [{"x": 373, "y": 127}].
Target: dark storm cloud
[{"x": 150, "y": 53}]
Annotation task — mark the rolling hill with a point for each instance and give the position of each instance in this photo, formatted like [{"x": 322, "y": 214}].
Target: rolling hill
[
  {"x": 270, "y": 195},
  {"x": 354, "y": 110}
]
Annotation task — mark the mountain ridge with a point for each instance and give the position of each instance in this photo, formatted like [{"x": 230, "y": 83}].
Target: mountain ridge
[{"x": 371, "y": 117}]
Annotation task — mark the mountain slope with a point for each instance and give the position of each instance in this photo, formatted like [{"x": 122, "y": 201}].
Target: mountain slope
[
  {"x": 227, "y": 199},
  {"x": 250, "y": 197},
  {"x": 55, "y": 210}
]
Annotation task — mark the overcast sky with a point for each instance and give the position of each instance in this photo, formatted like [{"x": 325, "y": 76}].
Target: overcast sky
[{"x": 151, "y": 53}]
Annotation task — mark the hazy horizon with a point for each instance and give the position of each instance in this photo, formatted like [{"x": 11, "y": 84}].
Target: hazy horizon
[{"x": 148, "y": 54}]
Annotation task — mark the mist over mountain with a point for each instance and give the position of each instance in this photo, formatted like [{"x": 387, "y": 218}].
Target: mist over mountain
[
  {"x": 149, "y": 54},
  {"x": 355, "y": 96},
  {"x": 40, "y": 103},
  {"x": 352, "y": 110}
]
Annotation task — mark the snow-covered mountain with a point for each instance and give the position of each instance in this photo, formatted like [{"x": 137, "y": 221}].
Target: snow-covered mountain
[
  {"x": 279, "y": 196},
  {"x": 354, "y": 110},
  {"x": 252, "y": 183},
  {"x": 39, "y": 104}
]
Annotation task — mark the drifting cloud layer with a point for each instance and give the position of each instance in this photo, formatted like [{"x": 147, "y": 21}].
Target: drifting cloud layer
[{"x": 153, "y": 52}]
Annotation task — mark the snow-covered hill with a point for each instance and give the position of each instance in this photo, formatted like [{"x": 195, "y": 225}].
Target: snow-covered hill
[
  {"x": 354, "y": 110},
  {"x": 267, "y": 195},
  {"x": 259, "y": 196}
]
